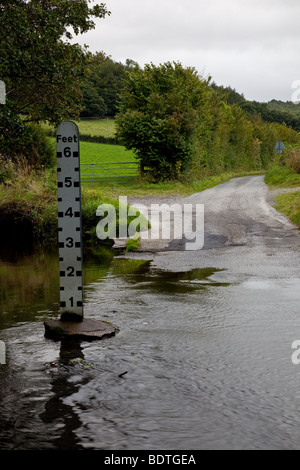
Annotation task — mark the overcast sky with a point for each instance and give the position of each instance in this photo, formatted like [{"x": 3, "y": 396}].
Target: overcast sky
[{"x": 251, "y": 45}]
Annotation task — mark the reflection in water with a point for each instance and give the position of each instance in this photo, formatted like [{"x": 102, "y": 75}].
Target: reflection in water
[
  {"x": 56, "y": 410},
  {"x": 198, "y": 362},
  {"x": 28, "y": 286},
  {"x": 29, "y": 283},
  {"x": 143, "y": 276}
]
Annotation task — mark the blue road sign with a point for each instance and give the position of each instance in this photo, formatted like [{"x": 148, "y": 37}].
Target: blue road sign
[{"x": 279, "y": 146}]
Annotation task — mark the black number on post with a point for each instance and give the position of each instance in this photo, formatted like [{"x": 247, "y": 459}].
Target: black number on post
[
  {"x": 71, "y": 300},
  {"x": 68, "y": 182},
  {"x": 70, "y": 270},
  {"x": 67, "y": 152},
  {"x": 70, "y": 243},
  {"x": 69, "y": 212}
]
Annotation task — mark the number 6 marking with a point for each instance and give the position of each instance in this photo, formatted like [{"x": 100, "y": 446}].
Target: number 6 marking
[{"x": 67, "y": 152}]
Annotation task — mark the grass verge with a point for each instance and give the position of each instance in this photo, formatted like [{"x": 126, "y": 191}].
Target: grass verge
[
  {"x": 289, "y": 204},
  {"x": 279, "y": 176}
]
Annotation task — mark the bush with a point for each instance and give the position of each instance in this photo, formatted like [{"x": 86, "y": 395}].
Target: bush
[
  {"x": 292, "y": 159},
  {"x": 163, "y": 115},
  {"x": 41, "y": 151},
  {"x": 19, "y": 141},
  {"x": 181, "y": 128}
]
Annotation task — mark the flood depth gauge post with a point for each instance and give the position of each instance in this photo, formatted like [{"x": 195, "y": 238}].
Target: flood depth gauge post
[
  {"x": 69, "y": 221},
  {"x": 71, "y": 321},
  {"x": 2, "y": 344}
]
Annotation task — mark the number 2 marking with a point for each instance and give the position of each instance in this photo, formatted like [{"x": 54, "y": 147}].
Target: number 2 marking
[{"x": 70, "y": 270}]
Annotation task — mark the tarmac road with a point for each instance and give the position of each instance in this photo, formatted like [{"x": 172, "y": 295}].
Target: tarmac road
[
  {"x": 238, "y": 213},
  {"x": 241, "y": 212},
  {"x": 243, "y": 234}
]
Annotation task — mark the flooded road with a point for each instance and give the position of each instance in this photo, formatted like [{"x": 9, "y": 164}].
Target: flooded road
[{"x": 203, "y": 359}]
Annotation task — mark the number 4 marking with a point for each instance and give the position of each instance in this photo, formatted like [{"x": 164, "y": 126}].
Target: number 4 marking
[{"x": 69, "y": 212}]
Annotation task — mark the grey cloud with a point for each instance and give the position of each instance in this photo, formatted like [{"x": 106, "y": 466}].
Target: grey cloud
[{"x": 224, "y": 37}]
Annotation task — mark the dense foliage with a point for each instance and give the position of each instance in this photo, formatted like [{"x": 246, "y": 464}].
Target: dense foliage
[
  {"x": 42, "y": 70},
  {"x": 164, "y": 115},
  {"x": 179, "y": 125},
  {"x": 102, "y": 85},
  {"x": 286, "y": 113}
]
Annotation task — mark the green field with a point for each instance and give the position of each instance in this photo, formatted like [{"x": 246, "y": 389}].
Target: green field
[
  {"x": 91, "y": 152},
  {"x": 104, "y": 127},
  {"x": 93, "y": 127},
  {"x": 115, "y": 157},
  {"x": 101, "y": 153}
]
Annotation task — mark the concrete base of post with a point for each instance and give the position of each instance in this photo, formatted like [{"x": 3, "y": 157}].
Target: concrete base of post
[{"x": 86, "y": 329}]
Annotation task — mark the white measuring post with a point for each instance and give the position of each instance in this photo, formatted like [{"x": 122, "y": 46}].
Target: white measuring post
[
  {"x": 69, "y": 222},
  {"x": 71, "y": 323},
  {"x": 2, "y": 92},
  {"x": 2, "y": 101}
]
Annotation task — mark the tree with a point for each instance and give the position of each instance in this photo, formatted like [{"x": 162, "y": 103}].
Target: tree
[
  {"x": 103, "y": 84},
  {"x": 42, "y": 70},
  {"x": 163, "y": 116},
  {"x": 93, "y": 104},
  {"x": 230, "y": 95}
]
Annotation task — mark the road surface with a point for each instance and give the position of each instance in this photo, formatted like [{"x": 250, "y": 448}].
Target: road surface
[{"x": 238, "y": 213}]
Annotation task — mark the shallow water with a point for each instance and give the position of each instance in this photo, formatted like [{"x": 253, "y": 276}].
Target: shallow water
[{"x": 202, "y": 359}]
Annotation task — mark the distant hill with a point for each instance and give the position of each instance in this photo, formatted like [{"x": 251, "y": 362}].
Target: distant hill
[
  {"x": 288, "y": 107},
  {"x": 287, "y": 113}
]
